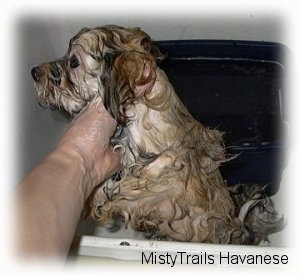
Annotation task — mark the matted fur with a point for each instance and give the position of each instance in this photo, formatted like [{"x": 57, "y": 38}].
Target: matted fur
[{"x": 170, "y": 183}]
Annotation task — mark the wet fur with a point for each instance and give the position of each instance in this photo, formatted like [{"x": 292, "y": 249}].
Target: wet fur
[{"x": 170, "y": 184}]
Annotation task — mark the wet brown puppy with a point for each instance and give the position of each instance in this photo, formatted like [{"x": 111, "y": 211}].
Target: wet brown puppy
[{"x": 170, "y": 183}]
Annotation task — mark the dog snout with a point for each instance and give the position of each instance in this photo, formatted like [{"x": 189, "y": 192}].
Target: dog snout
[{"x": 36, "y": 73}]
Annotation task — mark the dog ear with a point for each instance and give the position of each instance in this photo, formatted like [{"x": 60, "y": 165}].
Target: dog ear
[
  {"x": 138, "y": 70},
  {"x": 131, "y": 77}
]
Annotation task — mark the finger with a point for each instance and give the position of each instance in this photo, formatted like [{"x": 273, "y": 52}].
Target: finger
[
  {"x": 98, "y": 108},
  {"x": 114, "y": 163}
]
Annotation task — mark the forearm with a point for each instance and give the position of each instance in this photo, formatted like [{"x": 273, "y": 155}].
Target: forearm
[
  {"x": 52, "y": 196},
  {"x": 51, "y": 199}
]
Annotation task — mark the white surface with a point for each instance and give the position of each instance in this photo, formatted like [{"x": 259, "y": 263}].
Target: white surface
[{"x": 130, "y": 249}]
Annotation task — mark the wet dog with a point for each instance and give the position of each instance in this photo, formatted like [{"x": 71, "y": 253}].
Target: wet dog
[{"x": 170, "y": 184}]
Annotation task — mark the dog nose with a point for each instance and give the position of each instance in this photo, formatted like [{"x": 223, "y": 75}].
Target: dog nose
[{"x": 36, "y": 73}]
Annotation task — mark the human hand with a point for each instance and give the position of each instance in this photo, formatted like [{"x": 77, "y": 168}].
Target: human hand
[{"x": 88, "y": 137}]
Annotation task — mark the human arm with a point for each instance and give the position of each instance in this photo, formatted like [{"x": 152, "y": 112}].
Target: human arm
[{"x": 52, "y": 196}]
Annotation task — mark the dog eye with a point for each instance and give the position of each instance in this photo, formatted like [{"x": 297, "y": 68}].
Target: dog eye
[{"x": 74, "y": 62}]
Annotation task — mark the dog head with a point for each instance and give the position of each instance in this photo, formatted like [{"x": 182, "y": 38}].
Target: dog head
[{"x": 90, "y": 65}]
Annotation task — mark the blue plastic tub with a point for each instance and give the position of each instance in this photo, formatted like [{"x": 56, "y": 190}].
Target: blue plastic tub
[{"x": 236, "y": 87}]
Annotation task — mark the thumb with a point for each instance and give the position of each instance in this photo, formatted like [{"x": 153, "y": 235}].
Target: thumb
[{"x": 113, "y": 163}]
